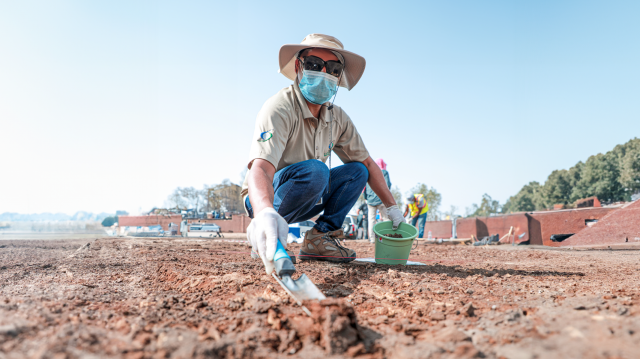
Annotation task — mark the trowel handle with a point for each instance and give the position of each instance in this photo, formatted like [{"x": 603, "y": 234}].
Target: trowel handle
[{"x": 282, "y": 261}]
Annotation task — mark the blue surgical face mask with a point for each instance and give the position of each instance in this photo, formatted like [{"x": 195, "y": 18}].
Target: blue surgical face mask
[{"x": 318, "y": 87}]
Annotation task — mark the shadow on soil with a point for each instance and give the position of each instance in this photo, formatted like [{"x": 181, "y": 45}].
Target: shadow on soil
[{"x": 338, "y": 275}]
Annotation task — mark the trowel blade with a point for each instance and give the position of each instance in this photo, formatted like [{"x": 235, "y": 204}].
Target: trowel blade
[{"x": 303, "y": 288}]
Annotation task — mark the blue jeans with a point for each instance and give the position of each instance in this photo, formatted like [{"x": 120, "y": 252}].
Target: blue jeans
[
  {"x": 420, "y": 220},
  {"x": 298, "y": 188}
]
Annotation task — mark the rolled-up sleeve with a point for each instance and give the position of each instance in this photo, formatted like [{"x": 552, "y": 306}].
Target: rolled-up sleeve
[
  {"x": 270, "y": 134},
  {"x": 349, "y": 146}
]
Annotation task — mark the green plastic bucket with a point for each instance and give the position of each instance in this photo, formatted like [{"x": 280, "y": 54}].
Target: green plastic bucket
[{"x": 393, "y": 250}]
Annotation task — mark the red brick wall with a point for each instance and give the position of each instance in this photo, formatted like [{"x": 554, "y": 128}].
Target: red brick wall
[
  {"x": 543, "y": 224},
  {"x": 537, "y": 227},
  {"x": 150, "y": 220},
  {"x": 439, "y": 229},
  {"x": 588, "y": 202},
  {"x": 617, "y": 227},
  {"x": 238, "y": 223},
  {"x": 485, "y": 226},
  {"x": 535, "y": 230},
  {"x": 500, "y": 225},
  {"x": 466, "y": 227}
]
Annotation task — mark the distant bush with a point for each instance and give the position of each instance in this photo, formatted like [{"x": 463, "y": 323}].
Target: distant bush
[{"x": 109, "y": 221}]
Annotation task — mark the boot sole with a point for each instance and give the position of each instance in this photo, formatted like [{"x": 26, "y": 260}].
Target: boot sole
[{"x": 303, "y": 256}]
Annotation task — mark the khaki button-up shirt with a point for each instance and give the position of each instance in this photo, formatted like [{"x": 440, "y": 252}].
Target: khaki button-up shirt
[{"x": 287, "y": 133}]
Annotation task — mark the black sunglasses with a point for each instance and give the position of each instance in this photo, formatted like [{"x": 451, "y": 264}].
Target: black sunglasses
[{"x": 313, "y": 63}]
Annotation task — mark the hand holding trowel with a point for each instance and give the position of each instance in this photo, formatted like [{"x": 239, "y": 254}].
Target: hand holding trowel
[
  {"x": 265, "y": 234},
  {"x": 299, "y": 289}
]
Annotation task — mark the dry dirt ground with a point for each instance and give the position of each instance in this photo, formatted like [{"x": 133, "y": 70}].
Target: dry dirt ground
[{"x": 180, "y": 298}]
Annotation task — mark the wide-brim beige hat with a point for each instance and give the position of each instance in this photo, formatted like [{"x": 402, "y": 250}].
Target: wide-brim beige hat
[{"x": 354, "y": 64}]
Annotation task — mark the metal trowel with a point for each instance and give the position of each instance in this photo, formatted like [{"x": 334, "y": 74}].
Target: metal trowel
[{"x": 299, "y": 289}]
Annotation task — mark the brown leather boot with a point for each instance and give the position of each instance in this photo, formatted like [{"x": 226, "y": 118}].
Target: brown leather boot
[{"x": 325, "y": 247}]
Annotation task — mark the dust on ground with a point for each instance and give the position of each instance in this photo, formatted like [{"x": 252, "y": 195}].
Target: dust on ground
[{"x": 179, "y": 298}]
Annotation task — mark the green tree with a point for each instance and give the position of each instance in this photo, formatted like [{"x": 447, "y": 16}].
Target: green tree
[
  {"x": 599, "y": 177},
  {"x": 189, "y": 197},
  {"x": 557, "y": 188},
  {"x": 630, "y": 168},
  {"x": 223, "y": 196},
  {"x": 530, "y": 198},
  {"x": 487, "y": 207},
  {"x": 397, "y": 195}
]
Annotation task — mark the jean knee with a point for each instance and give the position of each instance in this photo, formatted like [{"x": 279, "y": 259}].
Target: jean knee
[
  {"x": 360, "y": 171},
  {"x": 318, "y": 170}
]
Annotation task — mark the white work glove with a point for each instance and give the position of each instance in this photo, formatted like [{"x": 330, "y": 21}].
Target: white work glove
[
  {"x": 395, "y": 215},
  {"x": 265, "y": 229}
]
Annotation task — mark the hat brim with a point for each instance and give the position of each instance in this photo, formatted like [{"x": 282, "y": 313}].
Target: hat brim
[{"x": 353, "y": 68}]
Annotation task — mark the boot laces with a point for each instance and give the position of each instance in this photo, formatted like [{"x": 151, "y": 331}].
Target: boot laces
[{"x": 331, "y": 238}]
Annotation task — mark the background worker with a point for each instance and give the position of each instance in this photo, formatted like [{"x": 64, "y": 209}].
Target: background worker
[
  {"x": 362, "y": 221},
  {"x": 374, "y": 203},
  {"x": 419, "y": 208}
]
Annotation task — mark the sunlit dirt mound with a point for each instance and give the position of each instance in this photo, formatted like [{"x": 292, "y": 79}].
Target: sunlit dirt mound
[{"x": 621, "y": 227}]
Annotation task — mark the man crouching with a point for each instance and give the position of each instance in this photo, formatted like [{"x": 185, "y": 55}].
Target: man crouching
[{"x": 295, "y": 133}]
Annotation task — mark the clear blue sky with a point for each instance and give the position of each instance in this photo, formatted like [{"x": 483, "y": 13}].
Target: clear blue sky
[{"x": 111, "y": 105}]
